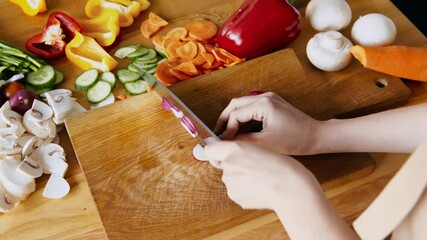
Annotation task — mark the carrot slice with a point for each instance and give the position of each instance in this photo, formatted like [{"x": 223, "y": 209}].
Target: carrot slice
[
  {"x": 187, "y": 68},
  {"x": 198, "y": 60},
  {"x": 187, "y": 51},
  {"x": 214, "y": 65},
  {"x": 147, "y": 29},
  {"x": 201, "y": 47},
  {"x": 177, "y": 33},
  {"x": 158, "y": 41},
  {"x": 179, "y": 75},
  {"x": 209, "y": 48},
  {"x": 172, "y": 47},
  {"x": 209, "y": 58},
  {"x": 219, "y": 57},
  {"x": 228, "y": 54},
  {"x": 156, "y": 20},
  {"x": 163, "y": 74},
  {"x": 237, "y": 62},
  {"x": 201, "y": 29}
]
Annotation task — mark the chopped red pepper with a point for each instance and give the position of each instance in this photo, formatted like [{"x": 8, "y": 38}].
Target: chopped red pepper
[{"x": 59, "y": 30}]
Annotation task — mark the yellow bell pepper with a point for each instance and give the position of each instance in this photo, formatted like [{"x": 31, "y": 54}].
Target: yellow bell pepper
[
  {"x": 144, "y": 4},
  {"x": 104, "y": 28},
  {"x": 127, "y": 9},
  {"x": 31, "y": 7},
  {"x": 86, "y": 53}
]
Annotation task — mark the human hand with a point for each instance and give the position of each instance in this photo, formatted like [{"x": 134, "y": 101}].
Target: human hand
[
  {"x": 258, "y": 178},
  {"x": 284, "y": 128}
]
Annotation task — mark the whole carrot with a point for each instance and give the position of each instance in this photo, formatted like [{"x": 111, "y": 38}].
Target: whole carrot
[{"x": 400, "y": 61}]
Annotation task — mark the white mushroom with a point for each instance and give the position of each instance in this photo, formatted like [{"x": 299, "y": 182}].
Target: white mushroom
[
  {"x": 24, "y": 138},
  {"x": 30, "y": 168},
  {"x": 52, "y": 158},
  {"x": 9, "y": 152},
  {"x": 31, "y": 145},
  {"x": 12, "y": 118},
  {"x": 62, "y": 105},
  {"x": 43, "y": 130},
  {"x": 57, "y": 187},
  {"x": 327, "y": 15},
  {"x": 329, "y": 51},
  {"x": 8, "y": 137},
  {"x": 40, "y": 111},
  {"x": 56, "y": 92},
  {"x": 373, "y": 30},
  {"x": 16, "y": 184},
  {"x": 7, "y": 201}
]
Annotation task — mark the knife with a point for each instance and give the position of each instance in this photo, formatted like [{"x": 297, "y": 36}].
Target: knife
[{"x": 189, "y": 120}]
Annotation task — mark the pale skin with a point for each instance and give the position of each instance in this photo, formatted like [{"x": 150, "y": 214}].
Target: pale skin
[{"x": 280, "y": 183}]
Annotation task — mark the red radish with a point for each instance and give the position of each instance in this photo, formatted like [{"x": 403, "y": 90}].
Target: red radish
[
  {"x": 189, "y": 126},
  {"x": 255, "y": 93}
]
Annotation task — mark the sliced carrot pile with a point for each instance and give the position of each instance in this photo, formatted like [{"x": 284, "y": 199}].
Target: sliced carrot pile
[
  {"x": 190, "y": 50},
  {"x": 152, "y": 25}
]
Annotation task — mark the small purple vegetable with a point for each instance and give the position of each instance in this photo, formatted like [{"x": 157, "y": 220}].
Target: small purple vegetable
[
  {"x": 255, "y": 93},
  {"x": 22, "y": 100}
]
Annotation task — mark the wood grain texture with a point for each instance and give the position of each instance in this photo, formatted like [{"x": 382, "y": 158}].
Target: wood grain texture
[{"x": 76, "y": 216}]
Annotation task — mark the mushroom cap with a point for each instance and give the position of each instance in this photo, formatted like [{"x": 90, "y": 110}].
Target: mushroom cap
[
  {"x": 30, "y": 168},
  {"x": 40, "y": 111},
  {"x": 16, "y": 184},
  {"x": 57, "y": 187},
  {"x": 328, "y": 15},
  {"x": 373, "y": 30}
]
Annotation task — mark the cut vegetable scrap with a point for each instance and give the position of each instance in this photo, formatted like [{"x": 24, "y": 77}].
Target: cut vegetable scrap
[
  {"x": 400, "y": 61},
  {"x": 156, "y": 20}
]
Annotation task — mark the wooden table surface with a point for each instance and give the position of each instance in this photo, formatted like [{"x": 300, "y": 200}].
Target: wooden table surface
[{"x": 80, "y": 220}]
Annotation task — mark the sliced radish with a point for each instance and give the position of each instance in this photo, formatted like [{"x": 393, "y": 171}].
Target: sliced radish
[
  {"x": 109, "y": 100},
  {"x": 57, "y": 187},
  {"x": 30, "y": 168},
  {"x": 199, "y": 153}
]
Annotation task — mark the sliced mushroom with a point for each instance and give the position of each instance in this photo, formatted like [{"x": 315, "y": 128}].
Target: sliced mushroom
[
  {"x": 52, "y": 159},
  {"x": 24, "y": 138},
  {"x": 16, "y": 157},
  {"x": 12, "y": 118},
  {"x": 5, "y": 106},
  {"x": 7, "y": 201},
  {"x": 62, "y": 105},
  {"x": 8, "y": 152},
  {"x": 8, "y": 137},
  {"x": 40, "y": 111},
  {"x": 49, "y": 150},
  {"x": 38, "y": 129},
  {"x": 16, "y": 184},
  {"x": 31, "y": 145},
  {"x": 57, "y": 187},
  {"x": 55, "y": 92},
  {"x": 30, "y": 168}
]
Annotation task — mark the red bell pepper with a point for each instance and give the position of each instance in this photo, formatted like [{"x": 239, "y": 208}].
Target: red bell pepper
[
  {"x": 50, "y": 43},
  {"x": 259, "y": 27}
]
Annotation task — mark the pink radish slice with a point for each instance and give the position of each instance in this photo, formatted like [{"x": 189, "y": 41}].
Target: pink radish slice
[
  {"x": 166, "y": 105},
  {"x": 186, "y": 122},
  {"x": 199, "y": 153}
]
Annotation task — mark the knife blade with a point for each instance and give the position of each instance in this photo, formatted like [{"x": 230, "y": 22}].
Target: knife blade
[{"x": 189, "y": 120}]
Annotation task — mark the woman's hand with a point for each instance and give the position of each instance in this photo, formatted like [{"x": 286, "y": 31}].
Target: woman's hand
[
  {"x": 258, "y": 178},
  {"x": 284, "y": 128}
]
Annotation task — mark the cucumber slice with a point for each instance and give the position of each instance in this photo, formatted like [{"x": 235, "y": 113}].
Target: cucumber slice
[
  {"x": 59, "y": 77},
  {"x": 145, "y": 65},
  {"x": 87, "y": 79},
  {"x": 160, "y": 52},
  {"x": 98, "y": 92},
  {"x": 152, "y": 71},
  {"x": 131, "y": 67},
  {"x": 149, "y": 80},
  {"x": 151, "y": 54},
  {"x": 125, "y": 51},
  {"x": 108, "y": 77},
  {"x": 136, "y": 88},
  {"x": 141, "y": 51},
  {"x": 153, "y": 60},
  {"x": 126, "y": 76},
  {"x": 42, "y": 78}
]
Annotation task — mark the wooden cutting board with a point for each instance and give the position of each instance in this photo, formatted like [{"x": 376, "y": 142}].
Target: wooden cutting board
[{"x": 138, "y": 163}]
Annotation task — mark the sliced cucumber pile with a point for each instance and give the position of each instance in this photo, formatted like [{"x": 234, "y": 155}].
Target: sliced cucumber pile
[
  {"x": 44, "y": 79},
  {"x": 142, "y": 58},
  {"x": 98, "y": 86}
]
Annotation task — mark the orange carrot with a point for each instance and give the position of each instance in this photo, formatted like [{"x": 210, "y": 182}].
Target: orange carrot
[
  {"x": 171, "y": 49},
  {"x": 201, "y": 29},
  {"x": 163, "y": 74},
  {"x": 179, "y": 75},
  {"x": 158, "y": 42},
  {"x": 198, "y": 60},
  {"x": 156, "y": 20},
  {"x": 147, "y": 29},
  {"x": 209, "y": 58},
  {"x": 187, "y": 68},
  {"x": 177, "y": 33},
  {"x": 187, "y": 51},
  {"x": 122, "y": 97},
  {"x": 400, "y": 61}
]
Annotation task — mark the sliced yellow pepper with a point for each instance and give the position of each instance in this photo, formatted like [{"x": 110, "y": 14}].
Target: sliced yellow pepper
[
  {"x": 144, "y": 4},
  {"x": 31, "y": 7},
  {"x": 127, "y": 9},
  {"x": 104, "y": 28},
  {"x": 86, "y": 53}
]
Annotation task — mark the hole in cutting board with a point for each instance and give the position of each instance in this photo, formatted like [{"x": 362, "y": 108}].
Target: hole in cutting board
[{"x": 381, "y": 83}]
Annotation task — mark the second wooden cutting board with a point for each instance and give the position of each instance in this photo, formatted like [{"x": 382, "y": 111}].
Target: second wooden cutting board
[{"x": 138, "y": 163}]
